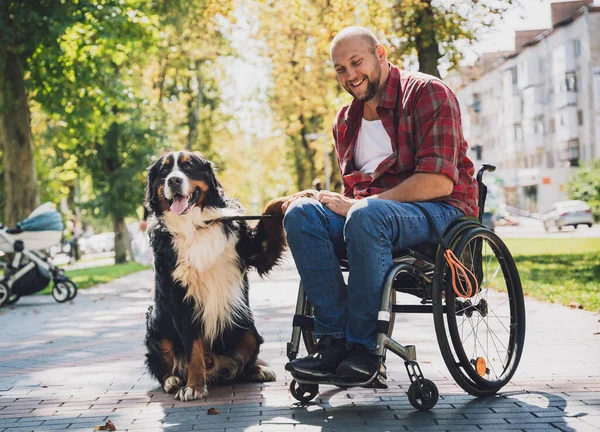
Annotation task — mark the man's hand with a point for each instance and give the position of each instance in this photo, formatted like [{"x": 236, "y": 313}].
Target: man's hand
[
  {"x": 337, "y": 203},
  {"x": 308, "y": 193},
  {"x": 143, "y": 225}
]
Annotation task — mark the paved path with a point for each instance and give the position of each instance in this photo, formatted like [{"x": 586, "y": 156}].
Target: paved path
[{"x": 76, "y": 365}]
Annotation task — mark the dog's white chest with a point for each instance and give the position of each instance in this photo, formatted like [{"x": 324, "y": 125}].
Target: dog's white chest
[{"x": 207, "y": 265}]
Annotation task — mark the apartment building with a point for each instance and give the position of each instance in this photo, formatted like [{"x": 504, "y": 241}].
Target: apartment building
[{"x": 535, "y": 112}]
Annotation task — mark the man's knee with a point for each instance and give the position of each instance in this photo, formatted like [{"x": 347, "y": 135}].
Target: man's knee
[
  {"x": 361, "y": 216},
  {"x": 300, "y": 212}
]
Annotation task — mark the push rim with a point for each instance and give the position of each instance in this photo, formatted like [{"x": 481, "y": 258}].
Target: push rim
[{"x": 486, "y": 331}]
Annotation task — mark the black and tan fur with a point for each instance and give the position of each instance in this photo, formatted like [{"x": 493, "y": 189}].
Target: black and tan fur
[{"x": 200, "y": 329}]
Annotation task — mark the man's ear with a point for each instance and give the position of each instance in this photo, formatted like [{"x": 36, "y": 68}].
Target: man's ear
[{"x": 381, "y": 54}]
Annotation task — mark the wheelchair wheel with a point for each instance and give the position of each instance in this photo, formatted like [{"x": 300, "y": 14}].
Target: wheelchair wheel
[
  {"x": 303, "y": 392},
  {"x": 481, "y": 338},
  {"x": 425, "y": 401}
]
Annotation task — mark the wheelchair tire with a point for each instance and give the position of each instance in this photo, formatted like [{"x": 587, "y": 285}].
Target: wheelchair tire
[
  {"x": 310, "y": 341},
  {"x": 426, "y": 401},
  {"x": 481, "y": 338},
  {"x": 303, "y": 392}
]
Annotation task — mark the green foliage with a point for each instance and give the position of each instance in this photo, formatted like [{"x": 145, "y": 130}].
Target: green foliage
[
  {"x": 544, "y": 277},
  {"x": 416, "y": 26},
  {"x": 585, "y": 185},
  {"x": 88, "y": 277},
  {"x": 564, "y": 271},
  {"x": 92, "y": 86}
]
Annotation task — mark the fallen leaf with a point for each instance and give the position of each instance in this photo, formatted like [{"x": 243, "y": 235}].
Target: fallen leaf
[
  {"x": 109, "y": 426},
  {"x": 574, "y": 305},
  {"x": 44, "y": 386},
  {"x": 213, "y": 411}
]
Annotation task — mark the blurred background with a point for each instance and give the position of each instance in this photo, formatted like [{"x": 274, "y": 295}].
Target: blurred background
[{"x": 92, "y": 91}]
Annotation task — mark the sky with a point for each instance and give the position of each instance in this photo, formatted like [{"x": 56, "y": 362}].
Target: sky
[{"x": 530, "y": 15}]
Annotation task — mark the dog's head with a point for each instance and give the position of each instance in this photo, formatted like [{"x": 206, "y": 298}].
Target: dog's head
[{"x": 180, "y": 182}]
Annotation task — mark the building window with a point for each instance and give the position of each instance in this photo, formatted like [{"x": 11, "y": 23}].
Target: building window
[
  {"x": 518, "y": 132},
  {"x": 573, "y": 152},
  {"x": 577, "y": 47},
  {"x": 513, "y": 73},
  {"x": 552, "y": 125},
  {"x": 476, "y": 103},
  {"x": 580, "y": 117},
  {"x": 538, "y": 127},
  {"x": 550, "y": 159},
  {"x": 571, "y": 81},
  {"x": 478, "y": 150}
]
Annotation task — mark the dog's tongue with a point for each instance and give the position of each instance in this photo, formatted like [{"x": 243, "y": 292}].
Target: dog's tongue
[{"x": 179, "y": 204}]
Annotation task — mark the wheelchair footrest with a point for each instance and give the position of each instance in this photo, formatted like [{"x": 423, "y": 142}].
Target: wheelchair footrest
[{"x": 332, "y": 379}]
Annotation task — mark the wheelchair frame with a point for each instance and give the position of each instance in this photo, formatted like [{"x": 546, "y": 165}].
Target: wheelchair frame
[{"x": 428, "y": 272}]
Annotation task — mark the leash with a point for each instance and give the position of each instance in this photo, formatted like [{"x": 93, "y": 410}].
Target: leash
[
  {"x": 236, "y": 218},
  {"x": 464, "y": 282}
]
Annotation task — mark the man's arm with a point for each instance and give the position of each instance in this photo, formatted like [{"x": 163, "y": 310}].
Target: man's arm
[
  {"x": 419, "y": 187},
  {"x": 437, "y": 138}
]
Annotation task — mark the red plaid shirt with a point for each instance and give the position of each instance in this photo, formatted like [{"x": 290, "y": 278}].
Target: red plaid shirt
[{"x": 422, "y": 118}]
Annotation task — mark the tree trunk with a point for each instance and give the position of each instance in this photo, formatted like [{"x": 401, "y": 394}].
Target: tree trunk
[
  {"x": 20, "y": 181},
  {"x": 426, "y": 44},
  {"x": 122, "y": 240},
  {"x": 194, "y": 107},
  {"x": 307, "y": 173}
]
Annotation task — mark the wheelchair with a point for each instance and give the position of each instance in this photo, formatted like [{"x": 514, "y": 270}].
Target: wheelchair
[{"x": 480, "y": 333}]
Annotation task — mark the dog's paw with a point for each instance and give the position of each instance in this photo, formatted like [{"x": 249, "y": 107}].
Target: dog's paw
[
  {"x": 172, "y": 384},
  {"x": 187, "y": 394},
  {"x": 262, "y": 373}
]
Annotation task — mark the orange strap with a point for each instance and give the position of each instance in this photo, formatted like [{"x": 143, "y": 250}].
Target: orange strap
[{"x": 464, "y": 282}]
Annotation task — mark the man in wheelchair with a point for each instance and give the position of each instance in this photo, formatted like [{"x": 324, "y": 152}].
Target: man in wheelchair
[{"x": 399, "y": 141}]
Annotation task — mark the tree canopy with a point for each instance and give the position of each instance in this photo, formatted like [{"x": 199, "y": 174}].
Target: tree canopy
[{"x": 92, "y": 90}]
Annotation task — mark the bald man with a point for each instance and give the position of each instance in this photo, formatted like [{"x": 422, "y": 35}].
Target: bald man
[{"x": 398, "y": 141}]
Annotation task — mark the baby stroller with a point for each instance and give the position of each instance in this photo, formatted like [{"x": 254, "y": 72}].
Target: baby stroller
[{"x": 27, "y": 269}]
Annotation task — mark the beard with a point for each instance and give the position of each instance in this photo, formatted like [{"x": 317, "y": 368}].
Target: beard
[{"x": 372, "y": 85}]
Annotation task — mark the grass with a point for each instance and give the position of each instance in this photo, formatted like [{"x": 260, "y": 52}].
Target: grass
[
  {"x": 564, "y": 271},
  {"x": 85, "y": 278}
]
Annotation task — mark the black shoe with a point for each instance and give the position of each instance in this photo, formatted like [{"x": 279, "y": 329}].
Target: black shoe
[
  {"x": 324, "y": 361},
  {"x": 360, "y": 365}
]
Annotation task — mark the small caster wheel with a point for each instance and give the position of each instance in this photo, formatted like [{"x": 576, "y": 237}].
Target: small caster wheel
[
  {"x": 303, "y": 392},
  {"x": 61, "y": 291},
  {"x": 72, "y": 289},
  {"x": 4, "y": 293},
  {"x": 427, "y": 400},
  {"x": 13, "y": 299}
]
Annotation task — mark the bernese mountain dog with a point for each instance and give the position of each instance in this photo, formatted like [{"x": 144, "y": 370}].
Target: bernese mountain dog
[{"x": 200, "y": 329}]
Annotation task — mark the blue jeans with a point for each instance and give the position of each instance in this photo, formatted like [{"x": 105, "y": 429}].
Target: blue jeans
[{"x": 372, "y": 231}]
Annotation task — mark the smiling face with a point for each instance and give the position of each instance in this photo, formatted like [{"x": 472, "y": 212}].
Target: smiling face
[
  {"x": 181, "y": 181},
  {"x": 359, "y": 67}
]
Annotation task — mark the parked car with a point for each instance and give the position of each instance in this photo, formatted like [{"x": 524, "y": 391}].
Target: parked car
[{"x": 565, "y": 213}]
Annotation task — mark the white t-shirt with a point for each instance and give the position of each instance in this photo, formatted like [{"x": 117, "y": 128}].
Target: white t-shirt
[{"x": 373, "y": 145}]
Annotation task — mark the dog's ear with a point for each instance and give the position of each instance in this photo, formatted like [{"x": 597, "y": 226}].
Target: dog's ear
[{"x": 151, "y": 196}]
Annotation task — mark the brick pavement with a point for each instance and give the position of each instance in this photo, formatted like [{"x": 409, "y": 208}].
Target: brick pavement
[{"x": 75, "y": 365}]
